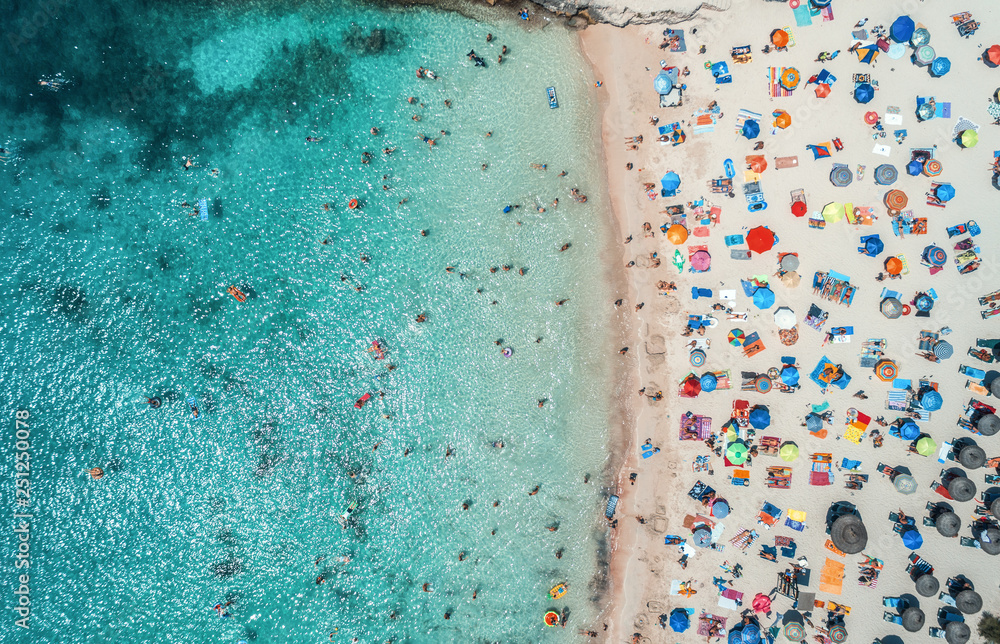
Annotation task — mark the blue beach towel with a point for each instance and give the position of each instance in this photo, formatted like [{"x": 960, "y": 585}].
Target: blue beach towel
[
  {"x": 802, "y": 17},
  {"x": 700, "y": 292},
  {"x": 798, "y": 526},
  {"x": 734, "y": 240}
]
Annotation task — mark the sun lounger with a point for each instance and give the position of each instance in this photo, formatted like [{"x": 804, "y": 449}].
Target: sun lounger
[
  {"x": 834, "y": 549},
  {"x": 892, "y": 618}
]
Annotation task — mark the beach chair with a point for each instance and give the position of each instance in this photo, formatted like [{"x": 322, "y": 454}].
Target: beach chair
[
  {"x": 892, "y": 618},
  {"x": 829, "y": 545}
]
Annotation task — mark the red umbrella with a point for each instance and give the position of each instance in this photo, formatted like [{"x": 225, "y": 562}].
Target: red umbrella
[
  {"x": 822, "y": 90},
  {"x": 761, "y": 239},
  {"x": 799, "y": 208},
  {"x": 692, "y": 387},
  {"x": 992, "y": 55}
]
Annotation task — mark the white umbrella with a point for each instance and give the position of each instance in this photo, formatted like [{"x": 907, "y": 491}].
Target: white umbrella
[{"x": 784, "y": 317}]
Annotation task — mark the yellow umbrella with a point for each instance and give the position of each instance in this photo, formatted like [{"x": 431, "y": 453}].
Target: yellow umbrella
[
  {"x": 969, "y": 138},
  {"x": 677, "y": 234},
  {"x": 791, "y": 279},
  {"x": 926, "y": 446},
  {"x": 833, "y": 212},
  {"x": 789, "y": 452}
]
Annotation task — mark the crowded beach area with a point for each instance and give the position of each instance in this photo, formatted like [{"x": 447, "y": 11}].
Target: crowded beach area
[{"x": 803, "y": 192}]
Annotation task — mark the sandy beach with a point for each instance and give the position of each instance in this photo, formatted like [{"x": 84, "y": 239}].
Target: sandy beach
[{"x": 643, "y": 569}]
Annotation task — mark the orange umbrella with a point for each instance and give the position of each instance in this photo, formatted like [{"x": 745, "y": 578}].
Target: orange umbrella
[
  {"x": 782, "y": 119},
  {"x": 780, "y": 38},
  {"x": 893, "y": 266},
  {"x": 822, "y": 90},
  {"x": 992, "y": 55},
  {"x": 895, "y": 200},
  {"x": 677, "y": 234},
  {"x": 757, "y": 163}
]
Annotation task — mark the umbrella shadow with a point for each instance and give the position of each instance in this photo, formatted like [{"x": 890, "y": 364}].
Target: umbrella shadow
[
  {"x": 839, "y": 509},
  {"x": 903, "y": 470},
  {"x": 944, "y": 611}
]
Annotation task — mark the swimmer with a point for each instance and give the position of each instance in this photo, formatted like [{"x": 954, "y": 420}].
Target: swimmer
[
  {"x": 313, "y": 139},
  {"x": 561, "y": 302},
  {"x": 534, "y": 491},
  {"x": 493, "y": 269},
  {"x": 496, "y": 503},
  {"x": 447, "y": 615},
  {"x": 374, "y": 130},
  {"x": 465, "y": 506},
  {"x": 448, "y": 452},
  {"x": 521, "y": 271},
  {"x": 618, "y": 303},
  {"x": 563, "y": 173},
  {"x": 484, "y": 167},
  {"x": 539, "y": 209},
  {"x": 320, "y": 580},
  {"x": 539, "y": 166},
  {"x": 505, "y": 267},
  {"x": 422, "y": 317},
  {"x": 423, "y": 233},
  {"x": 552, "y": 528},
  {"x": 489, "y": 37},
  {"x": 447, "y": 103},
  {"x": 500, "y": 59},
  {"x": 555, "y": 204},
  {"x": 388, "y": 150},
  {"x": 364, "y": 258},
  {"x": 415, "y": 117},
  {"x": 623, "y": 351},
  {"x": 406, "y": 452},
  {"x": 475, "y": 593},
  {"x": 503, "y": 50},
  {"x": 498, "y": 342},
  {"x": 449, "y": 269},
  {"x": 410, "y": 100},
  {"x": 188, "y": 163},
  {"x": 559, "y": 553},
  {"x": 564, "y": 247},
  {"x": 427, "y": 587}
]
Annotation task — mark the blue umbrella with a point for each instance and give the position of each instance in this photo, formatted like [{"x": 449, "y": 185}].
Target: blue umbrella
[
  {"x": 909, "y": 431},
  {"x": 735, "y": 637},
  {"x": 751, "y": 129},
  {"x": 720, "y": 509},
  {"x": 751, "y": 634},
  {"x": 914, "y": 168},
  {"x": 864, "y": 93},
  {"x": 679, "y": 620},
  {"x": 709, "y": 382},
  {"x": 662, "y": 83},
  {"x": 940, "y": 66},
  {"x": 702, "y": 537},
  {"x": 945, "y": 192},
  {"x": 902, "y": 29},
  {"x": 790, "y": 375},
  {"x": 763, "y": 298},
  {"x": 924, "y": 303},
  {"x": 671, "y": 181},
  {"x": 760, "y": 418},
  {"x": 931, "y": 400},
  {"x": 874, "y": 246},
  {"x": 814, "y": 422},
  {"x": 912, "y": 539}
]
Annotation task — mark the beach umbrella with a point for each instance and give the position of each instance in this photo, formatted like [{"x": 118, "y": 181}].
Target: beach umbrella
[
  {"x": 849, "y": 534},
  {"x": 677, "y": 234},
  {"x": 940, "y": 66},
  {"x": 920, "y": 37},
  {"x": 790, "y": 78},
  {"x": 697, "y": 358},
  {"x": 819, "y": 151},
  {"x": 912, "y": 539},
  {"x": 885, "y": 369},
  {"x": 789, "y": 262},
  {"x": 968, "y": 138},
  {"x": 935, "y": 255},
  {"x": 927, "y": 585},
  {"x": 926, "y": 446},
  {"x": 663, "y": 84},
  {"x": 905, "y": 484},
  {"x": 914, "y": 167},
  {"x": 735, "y": 636},
  {"x": 679, "y": 620},
  {"x": 868, "y": 53},
  {"x": 822, "y": 90},
  {"x": 972, "y": 457},
  {"x": 992, "y": 56},
  {"x": 790, "y": 375},
  {"x": 902, "y": 29},
  {"x": 925, "y": 112},
  {"x": 751, "y": 634},
  {"x": 736, "y": 337},
  {"x": 784, "y": 317},
  {"x": 885, "y": 174},
  {"x": 988, "y": 424},
  {"x": 794, "y": 632},
  {"x": 913, "y": 619},
  {"x": 989, "y": 541},
  {"x": 701, "y": 260},
  {"x": 896, "y": 51},
  {"x": 957, "y": 632},
  {"x": 909, "y": 431},
  {"x": 761, "y": 603},
  {"x": 814, "y": 422},
  {"x": 833, "y": 212},
  {"x": 737, "y": 453},
  {"x": 895, "y": 200},
  {"x": 948, "y": 524},
  {"x": 871, "y": 118},
  {"x": 891, "y": 308},
  {"x": 760, "y": 417},
  {"x": 893, "y": 265},
  {"x": 923, "y": 56},
  {"x": 838, "y": 633},
  {"x": 709, "y": 382},
  {"x": 789, "y": 452},
  {"x": 841, "y": 176},
  {"x": 969, "y": 602},
  {"x": 782, "y": 119},
  {"x": 720, "y": 509},
  {"x": 945, "y": 192},
  {"x": 791, "y": 279},
  {"x": 864, "y": 93},
  {"x": 873, "y": 246},
  {"x": 961, "y": 489},
  {"x": 751, "y": 129},
  {"x": 799, "y": 208},
  {"x": 762, "y": 384},
  {"x": 758, "y": 164},
  {"x": 779, "y": 38},
  {"x": 763, "y": 298},
  {"x": 943, "y": 350},
  {"x": 995, "y": 508},
  {"x": 924, "y": 302},
  {"x": 932, "y": 167},
  {"x": 691, "y": 387},
  {"x": 702, "y": 537},
  {"x": 671, "y": 181}
]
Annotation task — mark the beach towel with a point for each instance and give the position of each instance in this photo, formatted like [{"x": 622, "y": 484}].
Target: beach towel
[
  {"x": 795, "y": 525},
  {"x": 707, "y": 620},
  {"x": 695, "y": 428},
  {"x": 802, "y": 16},
  {"x": 834, "y": 549},
  {"x": 856, "y": 428},
  {"x": 831, "y": 579},
  {"x": 774, "y": 87}
]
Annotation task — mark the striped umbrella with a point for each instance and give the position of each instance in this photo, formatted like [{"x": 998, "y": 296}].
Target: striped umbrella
[
  {"x": 920, "y": 37},
  {"x": 895, "y": 200},
  {"x": 795, "y": 632},
  {"x": 885, "y": 370},
  {"x": 925, "y": 112},
  {"x": 762, "y": 384},
  {"x": 905, "y": 484},
  {"x": 935, "y": 256},
  {"x": 885, "y": 174},
  {"x": 924, "y": 55},
  {"x": 697, "y": 358},
  {"x": 943, "y": 350},
  {"x": 932, "y": 167},
  {"x": 790, "y": 78},
  {"x": 838, "y": 633},
  {"x": 736, "y": 337},
  {"x": 841, "y": 176}
]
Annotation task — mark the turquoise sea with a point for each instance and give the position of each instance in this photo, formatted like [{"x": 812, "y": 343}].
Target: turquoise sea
[{"x": 112, "y": 293}]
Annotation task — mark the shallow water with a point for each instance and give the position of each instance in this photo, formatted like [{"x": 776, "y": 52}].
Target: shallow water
[{"x": 112, "y": 292}]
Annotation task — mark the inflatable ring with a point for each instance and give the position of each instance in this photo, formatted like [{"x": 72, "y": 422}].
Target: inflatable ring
[
  {"x": 893, "y": 212},
  {"x": 507, "y": 352},
  {"x": 551, "y": 618},
  {"x": 96, "y": 473},
  {"x": 155, "y": 402},
  {"x": 352, "y": 204},
  {"x": 794, "y": 4},
  {"x": 906, "y": 309}
]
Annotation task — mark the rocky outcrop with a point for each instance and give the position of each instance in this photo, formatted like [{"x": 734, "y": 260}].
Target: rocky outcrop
[{"x": 619, "y": 14}]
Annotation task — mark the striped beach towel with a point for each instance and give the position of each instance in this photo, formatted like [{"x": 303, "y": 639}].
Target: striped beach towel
[
  {"x": 743, "y": 116},
  {"x": 774, "y": 87}
]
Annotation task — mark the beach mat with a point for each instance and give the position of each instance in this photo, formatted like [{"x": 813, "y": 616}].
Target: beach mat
[{"x": 802, "y": 16}]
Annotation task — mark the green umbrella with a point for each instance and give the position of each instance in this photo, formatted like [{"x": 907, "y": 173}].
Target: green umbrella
[
  {"x": 969, "y": 139},
  {"x": 833, "y": 212},
  {"x": 926, "y": 446},
  {"x": 789, "y": 452},
  {"x": 737, "y": 453}
]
